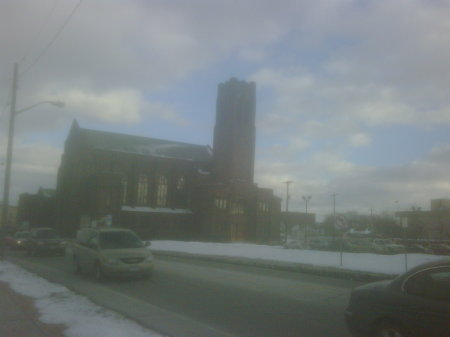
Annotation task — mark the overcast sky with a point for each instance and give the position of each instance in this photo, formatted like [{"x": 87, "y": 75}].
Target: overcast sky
[{"x": 353, "y": 97}]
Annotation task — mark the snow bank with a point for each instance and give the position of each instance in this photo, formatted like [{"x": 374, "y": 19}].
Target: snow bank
[
  {"x": 58, "y": 305},
  {"x": 366, "y": 262}
]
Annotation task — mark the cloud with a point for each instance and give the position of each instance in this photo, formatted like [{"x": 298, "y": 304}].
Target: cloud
[
  {"x": 119, "y": 106},
  {"x": 332, "y": 73},
  {"x": 34, "y": 166},
  {"x": 359, "y": 140},
  {"x": 359, "y": 187}
]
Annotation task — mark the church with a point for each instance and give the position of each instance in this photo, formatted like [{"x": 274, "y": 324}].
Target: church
[{"x": 164, "y": 189}]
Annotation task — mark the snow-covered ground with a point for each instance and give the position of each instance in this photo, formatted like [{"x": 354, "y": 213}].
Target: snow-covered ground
[
  {"x": 58, "y": 305},
  {"x": 385, "y": 264}
]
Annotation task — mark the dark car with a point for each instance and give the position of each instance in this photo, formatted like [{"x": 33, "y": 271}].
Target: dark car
[
  {"x": 45, "y": 241},
  {"x": 415, "y": 304},
  {"x": 18, "y": 240}
]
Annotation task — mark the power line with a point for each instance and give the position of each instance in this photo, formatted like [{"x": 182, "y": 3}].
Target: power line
[
  {"x": 60, "y": 30},
  {"x": 40, "y": 30}
]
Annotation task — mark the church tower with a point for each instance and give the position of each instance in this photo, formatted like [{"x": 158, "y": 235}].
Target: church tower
[{"x": 234, "y": 132}]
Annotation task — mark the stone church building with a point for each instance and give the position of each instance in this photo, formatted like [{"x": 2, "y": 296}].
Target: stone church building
[{"x": 164, "y": 189}]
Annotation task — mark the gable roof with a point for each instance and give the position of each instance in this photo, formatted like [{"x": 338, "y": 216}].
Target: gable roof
[{"x": 117, "y": 142}]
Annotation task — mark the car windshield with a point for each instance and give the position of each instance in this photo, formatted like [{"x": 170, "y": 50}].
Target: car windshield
[
  {"x": 47, "y": 234},
  {"x": 119, "y": 240}
]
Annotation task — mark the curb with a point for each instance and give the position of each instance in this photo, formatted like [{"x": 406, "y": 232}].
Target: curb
[{"x": 283, "y": 266}]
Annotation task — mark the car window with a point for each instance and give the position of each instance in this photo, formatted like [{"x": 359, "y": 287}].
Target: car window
[
  {"x": 118, "y": 240},
  {"x": 433, "y": 284}
]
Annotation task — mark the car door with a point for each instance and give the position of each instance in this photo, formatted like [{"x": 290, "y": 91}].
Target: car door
[
  {"x": 91, "y": 252},
  {"x": 428, "y": 295}
]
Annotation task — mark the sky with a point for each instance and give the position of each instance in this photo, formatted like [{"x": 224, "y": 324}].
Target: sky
[{"x": 353, "y": 97}]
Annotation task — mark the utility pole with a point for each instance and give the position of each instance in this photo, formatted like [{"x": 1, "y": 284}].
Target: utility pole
[
  {"x": 287, "y": 209},
  {"x": 12, "y": 117},
  {"x": 306, "y": 199},
  {"x": 334, "y": 210},
  {"x": 9, "y": 152},
  {"x": 371, "y": 218},
  {"x": 335, "y": 229}
]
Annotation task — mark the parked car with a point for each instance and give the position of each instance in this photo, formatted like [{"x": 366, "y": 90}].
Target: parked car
[
  {"x": 45, "y": 241},
  {"x": 360, "y": 245},
  {"x": 18, "y": 240},
  {"x": 321, "y": 243},
  {"x": 293, "y": 244},
  {"x": 387, "y": 246},
  {"x": 415, "y": 304},
  {"x": 439, "y": 249},
  {"x": 111, "y": 252},
  {"x": 413, "y": 247}
]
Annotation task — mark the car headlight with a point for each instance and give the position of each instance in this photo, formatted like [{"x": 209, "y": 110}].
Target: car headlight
[{"x": 112, "y": 261}]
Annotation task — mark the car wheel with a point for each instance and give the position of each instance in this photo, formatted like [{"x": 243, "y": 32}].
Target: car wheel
[
  {"x": 390, "y": 329},
  {"x": 98, "y": 272}
]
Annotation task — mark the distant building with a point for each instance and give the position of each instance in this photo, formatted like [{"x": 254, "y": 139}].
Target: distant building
[
  {"x": 36, "y": 210},
  {"x": 433, "y": 224},
  {"x": 11, "y": 217},
  {"x": 299, "y": 225},
  {"x": 171, "y": 190}
]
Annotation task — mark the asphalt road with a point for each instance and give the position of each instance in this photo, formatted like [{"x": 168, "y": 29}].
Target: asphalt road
[{"x": 188, "y": 298}]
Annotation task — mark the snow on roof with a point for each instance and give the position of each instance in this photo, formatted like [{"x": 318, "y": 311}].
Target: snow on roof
[
  {"x": 146, "y": 209},
  {"x": 203, "y": 172},
  {"x": 145, "y": 146}
]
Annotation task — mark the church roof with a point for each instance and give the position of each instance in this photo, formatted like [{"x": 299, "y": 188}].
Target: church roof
[{"x": 117, "y": 142}]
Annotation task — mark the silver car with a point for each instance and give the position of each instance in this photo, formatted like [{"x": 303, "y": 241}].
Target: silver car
[{"x": 111, "y": 252}]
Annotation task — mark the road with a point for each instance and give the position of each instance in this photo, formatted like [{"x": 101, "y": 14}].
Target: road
[{"x": 213, "y": 299}]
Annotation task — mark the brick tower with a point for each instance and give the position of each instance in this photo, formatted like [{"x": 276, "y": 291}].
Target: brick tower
[{"x": 234, "y": 132}]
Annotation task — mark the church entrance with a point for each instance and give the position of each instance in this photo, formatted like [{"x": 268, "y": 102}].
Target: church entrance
[{"x": 237, "y": 232}]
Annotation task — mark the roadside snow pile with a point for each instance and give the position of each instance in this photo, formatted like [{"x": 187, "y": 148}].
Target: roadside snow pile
[
  {"x": 366, "y": 262},
  {"x": 58, "y": 305}
]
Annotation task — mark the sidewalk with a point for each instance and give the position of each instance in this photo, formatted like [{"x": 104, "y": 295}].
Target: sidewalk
[{"x": 19, "y": 317}]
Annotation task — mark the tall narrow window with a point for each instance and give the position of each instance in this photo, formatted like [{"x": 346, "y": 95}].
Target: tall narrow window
[
  {"x": 124, "y": 190},
  {"x": 142, "y": 190},
  {"x": 161, "y": 195},
  {"x": 181, "y": 183}
]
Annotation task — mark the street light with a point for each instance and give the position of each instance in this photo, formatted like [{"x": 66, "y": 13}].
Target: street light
[
  {"x": 306, "y": 199},
  {"x": 58, "y": 104},
  {"x": 12, "y": 117},
  {"x": 287, "y": 209}
]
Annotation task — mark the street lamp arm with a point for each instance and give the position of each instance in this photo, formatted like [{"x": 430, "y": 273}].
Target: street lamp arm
[{"x": 55, "y": 103}]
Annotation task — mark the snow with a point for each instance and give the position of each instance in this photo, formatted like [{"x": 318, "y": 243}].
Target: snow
[
  {"x": 58, "y": 305},
  {"x": 145, "y": 209},
  {"x": 384, "y": 264}
]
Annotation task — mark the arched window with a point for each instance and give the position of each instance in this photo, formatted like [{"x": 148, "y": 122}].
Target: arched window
[
  {"x": 142, "y": 190},
  {"x": 181, "y": 183},
  {"x": 161, "y": 194}
]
